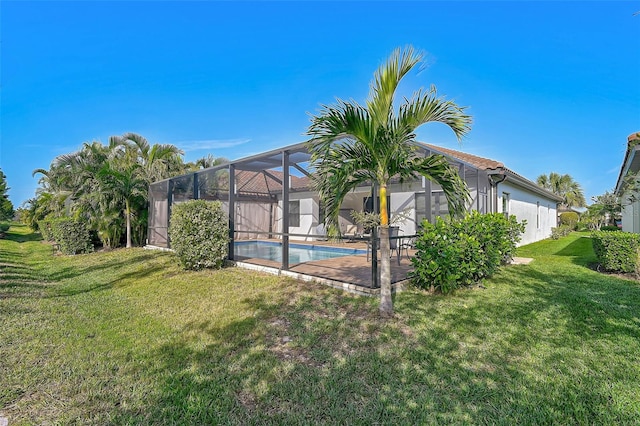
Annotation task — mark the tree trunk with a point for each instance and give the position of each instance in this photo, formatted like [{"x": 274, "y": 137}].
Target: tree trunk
[
  {"x": 127, "y": 214},
  {"x": 386, "y": 302}
]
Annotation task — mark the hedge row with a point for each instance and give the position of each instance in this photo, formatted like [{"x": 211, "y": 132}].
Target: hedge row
[
  {"x": 71, "y": 235},
  {"x": 616, "y": 251},
  {"x": 456, "y": 253}
]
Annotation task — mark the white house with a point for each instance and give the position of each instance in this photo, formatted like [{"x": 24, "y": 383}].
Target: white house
[
  {"x": 626, "y": 186},
  {"x": 261, "y": 206}
]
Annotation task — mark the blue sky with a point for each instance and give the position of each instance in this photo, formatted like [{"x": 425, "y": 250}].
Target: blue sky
[{"x": 552, "y": 86}]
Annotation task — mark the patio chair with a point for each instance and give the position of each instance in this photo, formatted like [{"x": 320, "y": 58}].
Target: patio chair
[
  {"x": 408, "y": 243},
  {"x": 393, "y": 243}
]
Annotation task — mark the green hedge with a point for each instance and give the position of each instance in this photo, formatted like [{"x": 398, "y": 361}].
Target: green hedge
[
  {"x": 4, "y": 227},
  {"x": 72, "y": 235},
  {"x": 616, "y": 251},
  {"x": 199, "y": 232},
  {"x": 44, "y": 226},
  {"x": 456, "y": 253}
]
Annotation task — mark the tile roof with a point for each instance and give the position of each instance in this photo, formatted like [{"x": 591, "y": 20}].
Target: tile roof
[
  {"x": 479, "y": 162},
  {"x": 262, "y": 183}
]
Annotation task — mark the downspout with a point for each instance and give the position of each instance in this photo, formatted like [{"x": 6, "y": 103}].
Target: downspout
[{"x": 496, "y": 177}]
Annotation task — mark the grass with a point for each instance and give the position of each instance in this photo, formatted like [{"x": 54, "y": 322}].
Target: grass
[{"x": 125, "y": 337}]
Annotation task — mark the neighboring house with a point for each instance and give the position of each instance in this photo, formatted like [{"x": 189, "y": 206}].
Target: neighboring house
[
  {"x": 260, "y": 209},
  {"x": 627, "y": 187}
]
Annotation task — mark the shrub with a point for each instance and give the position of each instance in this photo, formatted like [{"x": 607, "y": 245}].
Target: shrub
[
  {"x": 616, "y": 251},
  {"x": 610, "y": 228},
  {"x": 569, "y": 219},
  {"x": 72, "y": 235},
  {"x": 44, "y": 226},
  {"x": 4, "y": 227},
  {"x": 455, "y": 253},
  {"x": 199, "y": 233},
  {"x": 560, "y": 231}
]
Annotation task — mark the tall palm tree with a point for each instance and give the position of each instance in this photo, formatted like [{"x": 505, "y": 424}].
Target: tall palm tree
[
  {"x": 124, "y": 180},
  {"x": 352, "y": 145},
  {"x": 564, "y": 186}
]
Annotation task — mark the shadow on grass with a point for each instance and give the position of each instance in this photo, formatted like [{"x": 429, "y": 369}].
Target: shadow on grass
[
  {"x": 22, "y": 238},
  {"x": 21, "y": 280},
  {"x": 580, "y": 250},
  {"x": 330, "y": 360}
]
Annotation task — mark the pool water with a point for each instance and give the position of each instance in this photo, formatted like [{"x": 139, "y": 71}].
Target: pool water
[{"x": 298, "y": 253}]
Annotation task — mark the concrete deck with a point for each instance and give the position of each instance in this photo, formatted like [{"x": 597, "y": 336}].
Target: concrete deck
[{"x": 350, "y": 273}]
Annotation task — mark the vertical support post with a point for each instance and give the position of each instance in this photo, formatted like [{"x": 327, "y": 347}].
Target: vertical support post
[
  {"x": 462, "y": 176},
  {"x": 285, "y": 210},
  {"x": 196, "y": 187},
  {"x": 232, "y": 210},
  {"x": 478, "y": 191},
  {"x": 169, "y": 202},
  {"x": 374, "y": 239},
  {"x": 427, "y": 199}
]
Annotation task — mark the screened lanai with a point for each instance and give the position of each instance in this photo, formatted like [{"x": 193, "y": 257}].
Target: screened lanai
[{"x": 271, "y": 199}]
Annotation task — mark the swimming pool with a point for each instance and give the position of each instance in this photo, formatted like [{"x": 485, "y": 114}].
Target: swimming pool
[{"x": 298, "y": 253}]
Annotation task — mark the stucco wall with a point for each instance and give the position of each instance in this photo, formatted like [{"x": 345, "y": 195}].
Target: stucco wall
[
  {"x": 523, "y": 205},
  {"x": 308, "y": 216},
  {"x": 631, "y": 217}
]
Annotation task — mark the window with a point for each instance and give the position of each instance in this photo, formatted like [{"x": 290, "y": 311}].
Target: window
[
  {"x": 506, "y": 204},
  {"x": 294, "y": 213}
]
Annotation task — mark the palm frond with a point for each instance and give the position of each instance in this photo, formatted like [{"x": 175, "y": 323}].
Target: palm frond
[
  {"x": 386, "y": 80},
  {"x": 437, "y": 169},
  {"x": 425, "y": 107}
]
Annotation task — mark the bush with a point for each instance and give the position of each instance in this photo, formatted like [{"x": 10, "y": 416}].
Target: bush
[
  {"x": 72, "y": 235},
  {"x": 199, "y": 233},
  {"x": 561, "y": 231},
  {"x": 455, "y": 253},
  {"x": 616, "y": 251},
  {"x": 4, "y": 227},
  {"x": 569, "y": 219},
  {"x": 44, "y": 226},
  {"x": 610, "y": 228}
]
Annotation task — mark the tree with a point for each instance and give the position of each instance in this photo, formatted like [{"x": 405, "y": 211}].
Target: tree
[
  {"x": 6, "y": 207},
  {"x": 607, "y": 207},
  {"x": 565, "y": 187},
  {"x": 353, "y": 145},
  {"x": 126, "y": 183},
  {"x": 157, "y": 161}
]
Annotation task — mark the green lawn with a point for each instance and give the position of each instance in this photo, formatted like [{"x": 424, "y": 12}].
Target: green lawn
[{"x": 127, "y": 338}]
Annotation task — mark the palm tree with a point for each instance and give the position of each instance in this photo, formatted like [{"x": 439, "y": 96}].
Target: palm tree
[
  {"x": 353, "y": 145},
  {"x": 565, "y": 187},
  {"x": 158, "y": 161},
  {"x": 125, "y": 182}
]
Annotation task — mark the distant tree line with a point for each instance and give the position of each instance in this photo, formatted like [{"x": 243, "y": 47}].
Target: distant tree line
[{"x": 107, "y": 186}]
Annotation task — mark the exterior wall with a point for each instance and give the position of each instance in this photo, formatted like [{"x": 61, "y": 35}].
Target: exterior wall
[
  {"x": 523, "y": 205},
  {"x": 309, "y": 214},
  {"x": 631, "y": 217}
]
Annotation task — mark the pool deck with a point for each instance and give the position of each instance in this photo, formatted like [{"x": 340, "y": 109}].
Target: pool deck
[{"x": 349, "y": 273}]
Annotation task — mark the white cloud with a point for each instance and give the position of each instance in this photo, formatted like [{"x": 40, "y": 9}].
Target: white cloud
[{"x": 188, "y": 146}]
